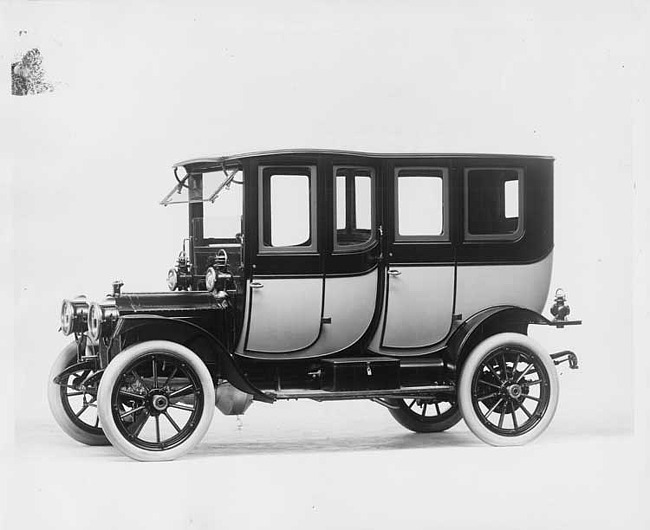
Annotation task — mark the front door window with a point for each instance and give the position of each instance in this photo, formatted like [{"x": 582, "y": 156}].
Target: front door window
[{"x": 288, "y": 207}]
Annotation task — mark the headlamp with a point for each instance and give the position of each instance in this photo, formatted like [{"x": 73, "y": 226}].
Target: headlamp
[
  {"x": 73, "y": 315},
  {"x": 101, "y": 318},
  {"x": 95, "y": 319},
  {"x": 67, "y": 317}
]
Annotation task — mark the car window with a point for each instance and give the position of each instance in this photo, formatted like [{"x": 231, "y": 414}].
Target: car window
[
  {"x": 288, "y": 208},
  {"x": 511, "y": 193},
  {"x": 340, "y": 202},
  {"x": 493, "y": 203},
  {"x": 420, "y": 204},
  {"x": 223, "y": 218},
  {"x": 354, "y": 207}
]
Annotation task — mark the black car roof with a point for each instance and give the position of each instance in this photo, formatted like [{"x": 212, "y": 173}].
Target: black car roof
[{"x": 230, "y": 160}]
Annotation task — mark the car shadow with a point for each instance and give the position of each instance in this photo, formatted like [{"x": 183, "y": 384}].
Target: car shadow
[{"x": 314, "y": 444}]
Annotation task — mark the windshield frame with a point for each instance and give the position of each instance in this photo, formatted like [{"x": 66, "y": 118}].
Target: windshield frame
[{"x": 183, "y": 183}]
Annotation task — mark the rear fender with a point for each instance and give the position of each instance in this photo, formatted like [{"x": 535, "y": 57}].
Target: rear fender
[
  {"x": 486, "y": 323},
  {"x": 209, "y": 348}
]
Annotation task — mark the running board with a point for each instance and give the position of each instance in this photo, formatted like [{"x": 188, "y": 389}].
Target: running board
[{"x": 324, "y": 395}]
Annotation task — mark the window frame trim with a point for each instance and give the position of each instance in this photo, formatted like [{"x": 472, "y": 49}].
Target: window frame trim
[
  {"x": 351, "y": 249},
  {"x": 513, "y": 236},
  {"x": 313, "y": 218},
  {"x": 444, "y": 236}
]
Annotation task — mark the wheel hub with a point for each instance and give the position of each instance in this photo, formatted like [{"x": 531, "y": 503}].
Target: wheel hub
[
  {"x": 514, "y": 390},
  {"x": 159, "y": 402}
]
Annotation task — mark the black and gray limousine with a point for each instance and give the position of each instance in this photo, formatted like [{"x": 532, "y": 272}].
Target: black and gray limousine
[{"x": 409, "y": 280}]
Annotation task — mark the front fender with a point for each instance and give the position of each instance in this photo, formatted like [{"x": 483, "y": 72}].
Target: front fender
[{"x": 231, "y": 370}]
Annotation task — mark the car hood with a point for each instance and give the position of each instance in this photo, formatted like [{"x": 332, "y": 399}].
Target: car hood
[{"x": 183, "y": 303}]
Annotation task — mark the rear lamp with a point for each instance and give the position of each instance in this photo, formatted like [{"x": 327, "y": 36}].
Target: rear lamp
[
  {"x": 560, "y": 309},
  {"x": 74, "y": 314}
]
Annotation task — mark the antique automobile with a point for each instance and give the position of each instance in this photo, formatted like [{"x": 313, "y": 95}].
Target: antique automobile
[{"x": 410, "y": 280}]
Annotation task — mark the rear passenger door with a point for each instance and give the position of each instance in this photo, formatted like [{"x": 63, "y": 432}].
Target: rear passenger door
[{"x": 419, "y": 258}]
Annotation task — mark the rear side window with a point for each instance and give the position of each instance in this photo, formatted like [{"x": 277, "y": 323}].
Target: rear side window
[
  {"x": 493, "y": 203},
  {"x": 288, "y": 204},
  {"x": 421, "y": 195}
]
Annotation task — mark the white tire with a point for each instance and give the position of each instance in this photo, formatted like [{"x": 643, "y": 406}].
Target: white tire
[
  {"x": 497, "y": 401},
  {"x": 153, "y": 381},
  {"x": 74, "y": 411}
]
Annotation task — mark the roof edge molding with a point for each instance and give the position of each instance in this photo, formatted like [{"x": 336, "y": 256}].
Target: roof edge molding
[{"x": 230, "y": 160}]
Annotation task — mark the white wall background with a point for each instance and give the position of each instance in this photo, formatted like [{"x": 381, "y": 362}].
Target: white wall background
[{"x": 140, "y": 87}]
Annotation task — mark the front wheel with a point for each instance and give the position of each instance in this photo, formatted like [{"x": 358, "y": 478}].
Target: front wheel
[
  {"x": 508, "y": 390},
  {"x": 73, "y": 405},
  {"x": 156, "y": 401}
]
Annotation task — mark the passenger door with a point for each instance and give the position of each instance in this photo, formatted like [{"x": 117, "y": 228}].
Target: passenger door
[
  {"x": 419, "y": 258},
  {"x": 285, "y": 292},
  {"x": 352, "y": 261}
]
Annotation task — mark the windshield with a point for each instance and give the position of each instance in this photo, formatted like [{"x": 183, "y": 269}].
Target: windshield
[{"x": 219, "y": 193}]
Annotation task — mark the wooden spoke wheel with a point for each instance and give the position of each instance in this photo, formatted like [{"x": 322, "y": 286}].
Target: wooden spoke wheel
[
  {"x": 426, "y": 414},
  {"x": 508, "y": 390},
  {"x": 73, "y": 405},
  {"x": 156, "y": 401}
]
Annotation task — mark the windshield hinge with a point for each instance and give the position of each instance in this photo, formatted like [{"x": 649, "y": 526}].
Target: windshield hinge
[{"x": 225, "y": 184}]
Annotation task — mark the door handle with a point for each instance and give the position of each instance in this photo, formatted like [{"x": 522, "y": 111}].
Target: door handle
[
  {"x": 394, "y": 272},
  {"x": 256, "y": 285}
]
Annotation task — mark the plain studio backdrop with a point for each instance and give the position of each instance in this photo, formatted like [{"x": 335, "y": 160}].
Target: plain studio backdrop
[{"x": 139, "y": 88}]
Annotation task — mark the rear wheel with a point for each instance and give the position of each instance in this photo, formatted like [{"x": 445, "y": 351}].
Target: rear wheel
[
  {"x": 74, "y": 407},
  {"x": 508, "y": 390},
  {"x": 156, "y": 401},
  {"x": 426, "y": 414}
]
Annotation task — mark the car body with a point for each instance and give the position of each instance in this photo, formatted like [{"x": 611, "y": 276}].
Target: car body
[{"x": 332, "y": 275}]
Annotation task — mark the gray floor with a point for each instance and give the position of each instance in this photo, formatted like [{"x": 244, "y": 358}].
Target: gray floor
[{"x": 336, "y": 465}]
